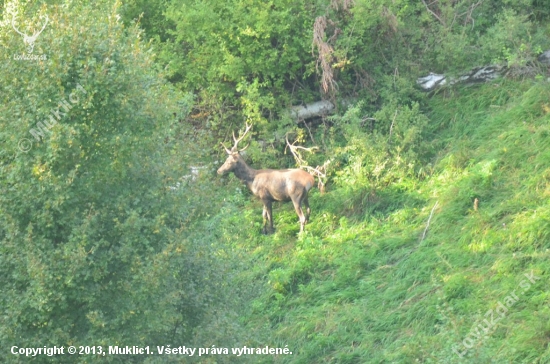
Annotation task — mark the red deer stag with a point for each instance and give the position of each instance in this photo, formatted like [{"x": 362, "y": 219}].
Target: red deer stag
[{"x": 270, "y": 184}]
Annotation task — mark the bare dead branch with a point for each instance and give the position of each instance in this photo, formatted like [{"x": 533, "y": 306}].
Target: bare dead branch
[
  {"x": 320, "y": 171},
  {"x": 434, "y": 14},
  {"x": 392, "y": 123},
  {"x": 325, "y": 51},
  {"x": 470, "y": 13},
  {"x": 309, "y": 131},
  {"x": 429, "y": 219}
]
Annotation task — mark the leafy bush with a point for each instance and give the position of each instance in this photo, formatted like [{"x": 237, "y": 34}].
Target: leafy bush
[{"x": 93, "y": 246}]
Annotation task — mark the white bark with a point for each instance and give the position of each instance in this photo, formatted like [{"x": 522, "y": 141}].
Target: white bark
[
  {"x": 476, "y": 75},
  {"x": 431, "y": 81},
  {"x": 315, "y": 109},
  {"x": 545, "y": 58}
]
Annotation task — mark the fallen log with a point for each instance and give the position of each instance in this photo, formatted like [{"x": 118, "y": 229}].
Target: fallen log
[
  {"x": 315, "y": 109},
  {"x": 476, "y": 75},
  {"x": 544, "y": 58}
]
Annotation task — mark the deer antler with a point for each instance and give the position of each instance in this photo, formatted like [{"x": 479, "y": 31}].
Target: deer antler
[
  {"x": 226, "y": 150},
  {"x": 234, "y": 149}
]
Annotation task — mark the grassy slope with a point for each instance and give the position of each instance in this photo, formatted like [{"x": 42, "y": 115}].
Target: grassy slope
[{"x": 361, "y": 287}]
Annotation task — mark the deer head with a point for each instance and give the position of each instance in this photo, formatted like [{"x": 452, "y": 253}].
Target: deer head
[
  {"x": 29, "y": 40},
  {"x": 233, "y": 153}
]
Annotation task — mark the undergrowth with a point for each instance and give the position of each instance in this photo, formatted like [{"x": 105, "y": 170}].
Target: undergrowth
[{"x": 364, "y": 285}]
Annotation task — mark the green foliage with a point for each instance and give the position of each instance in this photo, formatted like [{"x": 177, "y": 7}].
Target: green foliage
[
  {"x": 94, "y": 248},
  {"x": 379, "y": 150},
  {"x": 149, "y": 15},
  {"x": 246, "y": 60},
  {"x": 412, "y": 38},
  {"x": 221, "y": 47},
  {"x": 253, "y": 102},
  {"x": 114, "y": 229},
  {"x": 363, "y": 283}
]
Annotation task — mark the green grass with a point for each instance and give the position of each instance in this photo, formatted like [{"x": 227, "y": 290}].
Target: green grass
[{"x": 360, "y": 286}]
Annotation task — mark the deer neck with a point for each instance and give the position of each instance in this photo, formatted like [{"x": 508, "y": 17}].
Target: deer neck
[{"x": 243, "y": 172}]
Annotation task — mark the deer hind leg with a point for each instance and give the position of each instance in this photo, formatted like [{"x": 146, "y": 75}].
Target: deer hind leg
[
  {"x": 308, "y": 210},
  {"x": 264, "y": 215},
  {"x": 300, "y": 213},
  {"x": 268, "y": 217}
]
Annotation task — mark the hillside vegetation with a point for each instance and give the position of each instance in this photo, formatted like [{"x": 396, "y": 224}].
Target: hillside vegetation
[
  {"x": 363, "y": 286},
  {"x": 430, "y": 243}
]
